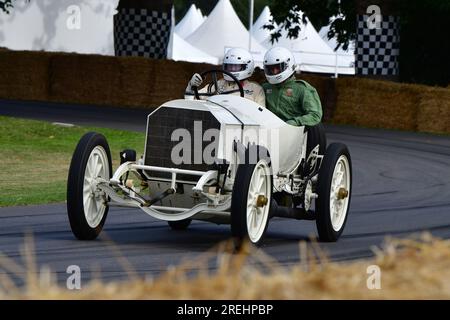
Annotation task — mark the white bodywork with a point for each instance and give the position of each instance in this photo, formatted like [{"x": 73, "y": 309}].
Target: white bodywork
[
  {"x": 261, "y": 127},
  {"x": 241, "y": 120}
]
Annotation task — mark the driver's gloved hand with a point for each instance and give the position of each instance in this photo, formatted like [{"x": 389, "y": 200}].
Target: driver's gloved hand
[{"x": 196, "y": 80}]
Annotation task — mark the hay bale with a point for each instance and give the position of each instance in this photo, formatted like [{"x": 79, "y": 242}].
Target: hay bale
[
  {"x": 142, "y": 82},
  {"x": 376, "y": 104},
  {"x": 150, "y": 82},
  {"x": 172, "y": 79},
  {"x": 389, "y": 105},
  {"x": 137, "y": 80},
  {"x": 434, "y": 111},
  {"x": 85, "y": 79},
  {"x": 24, "y": 75}
]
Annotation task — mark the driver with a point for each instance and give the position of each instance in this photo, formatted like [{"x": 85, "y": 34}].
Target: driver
[{"x": 238, "y": 62}]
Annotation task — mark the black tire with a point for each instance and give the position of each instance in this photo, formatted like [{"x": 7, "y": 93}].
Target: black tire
[
  {"x": 325, "y": 228},
  {"x": 239, "y": 228},
  {"x": 75, "y": 206},
  {"x": 316, "y": 135},
  {"x": 179, "y": 225}
]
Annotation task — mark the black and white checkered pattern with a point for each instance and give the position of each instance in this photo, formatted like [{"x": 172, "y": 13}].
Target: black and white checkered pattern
[
  {"x": 141, "y": 32},
  {"x": 377, "y": 50}
]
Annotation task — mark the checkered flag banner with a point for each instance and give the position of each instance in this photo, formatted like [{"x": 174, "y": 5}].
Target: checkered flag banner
[
  {"x": 141, "y": 32},
  {"x": 377, "y": 49}
]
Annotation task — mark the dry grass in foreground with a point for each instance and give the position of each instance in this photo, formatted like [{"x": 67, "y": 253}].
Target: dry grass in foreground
[{"x": 410, "y": 269}]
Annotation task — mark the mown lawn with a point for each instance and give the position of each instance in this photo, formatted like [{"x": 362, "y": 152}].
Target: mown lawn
[{"x": 35, "y": 158}]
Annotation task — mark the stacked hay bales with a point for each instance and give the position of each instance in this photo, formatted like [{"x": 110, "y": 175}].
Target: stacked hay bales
[
  {"x": 147, "y": 83},
  {"x": 24, "y": 75},
  {"x": 389, "y": 105}
]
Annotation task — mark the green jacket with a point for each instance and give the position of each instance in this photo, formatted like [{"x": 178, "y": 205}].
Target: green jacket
[{"x": 297, "y": 103}]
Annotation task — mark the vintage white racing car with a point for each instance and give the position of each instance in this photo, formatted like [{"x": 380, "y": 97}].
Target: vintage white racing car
[{"x": 225, "y": 160}]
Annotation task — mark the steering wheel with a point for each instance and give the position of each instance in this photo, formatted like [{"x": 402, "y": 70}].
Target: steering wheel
[{"x": 214, "y": 73}]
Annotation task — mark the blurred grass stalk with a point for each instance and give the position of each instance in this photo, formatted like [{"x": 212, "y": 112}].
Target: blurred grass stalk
[{"x": 415, "y": 268}]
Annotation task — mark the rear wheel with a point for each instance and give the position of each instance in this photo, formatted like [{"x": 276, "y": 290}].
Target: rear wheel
[
  {"x": 316, "y": 136},
  {"x": 334, "y": 189},
  {"x": 87, "y": 206},
  {"x": 251, "y": 201}
]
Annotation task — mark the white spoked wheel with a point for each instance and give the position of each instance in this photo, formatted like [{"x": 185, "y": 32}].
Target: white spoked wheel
[
  {"x": 93, "y": 199},
  {"x": 87, "y": 206},
  {"x": 334, "y": 192},
  {"x": 251, "y": 199},
  {"x": 258, "y": 198},
  {"x": 339, "y": 192}
]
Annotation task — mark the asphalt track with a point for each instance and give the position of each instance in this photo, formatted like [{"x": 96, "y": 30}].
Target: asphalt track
[{"x": 401, "y": 186}]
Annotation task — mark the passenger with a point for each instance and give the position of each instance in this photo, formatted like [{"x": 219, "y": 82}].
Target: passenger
[{"x": 297, "y": 103}]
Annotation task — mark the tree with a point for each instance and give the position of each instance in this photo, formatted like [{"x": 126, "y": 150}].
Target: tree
[
  {"x": 285, "y": 13},
  {"x": 5, "y": 5}
]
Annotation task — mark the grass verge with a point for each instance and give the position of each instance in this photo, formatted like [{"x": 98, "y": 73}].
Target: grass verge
[{"x": 37, "y": 154}]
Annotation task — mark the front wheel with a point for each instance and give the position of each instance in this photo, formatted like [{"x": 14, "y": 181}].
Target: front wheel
[
  {"x": 86, "y": 205},
  {"x": 251, "y": 201},
  {"x": 334, "y": 189}
]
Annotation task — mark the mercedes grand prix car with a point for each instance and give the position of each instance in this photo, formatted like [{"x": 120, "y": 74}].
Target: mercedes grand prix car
[{"x": 226, "y": 160}]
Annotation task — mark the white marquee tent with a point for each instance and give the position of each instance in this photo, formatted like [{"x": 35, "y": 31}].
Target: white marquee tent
[
  {"x": 312, "y": 53},
  {"x": 201, "y": 14},
  {"x": 259, "y": 33},
  {"x": 222, "y": 30},
  {"x": 190, "y": 22},
  {"x": 180, "y": 50},
  {"x": 46, "y": 25},
  {"x": 64, "y": 25}
]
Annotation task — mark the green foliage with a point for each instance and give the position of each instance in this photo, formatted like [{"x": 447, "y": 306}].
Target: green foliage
[
  {"x": 319, "y": 13},
  {"x": 7, "y": 5}
]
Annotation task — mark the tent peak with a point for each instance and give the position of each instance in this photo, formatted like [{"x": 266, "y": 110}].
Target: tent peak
[
  {"x": 259, "y": 32},
  {"x": 190, "y": 22},
  {"x": 221, "y": 30},
  {"x": 193, "y": 7}
]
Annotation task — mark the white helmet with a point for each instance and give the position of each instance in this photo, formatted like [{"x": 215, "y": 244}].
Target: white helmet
[
  {"x": 238, "y": 62},
  {"x": 279, "y": 65}
]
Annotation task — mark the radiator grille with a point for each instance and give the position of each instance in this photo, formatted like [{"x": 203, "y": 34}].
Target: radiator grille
[{"x": 161, "y": 125}]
